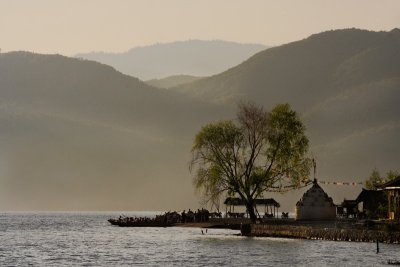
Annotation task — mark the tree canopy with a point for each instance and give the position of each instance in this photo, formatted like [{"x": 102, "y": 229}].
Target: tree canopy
[
  {"x": 375, "y": 179},
  {"x": 258, "y": 152}
]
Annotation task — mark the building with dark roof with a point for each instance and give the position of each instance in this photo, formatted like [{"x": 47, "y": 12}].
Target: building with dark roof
[
  {"x": 372, "y": 203},
  {"x": 393, "y": 191}
]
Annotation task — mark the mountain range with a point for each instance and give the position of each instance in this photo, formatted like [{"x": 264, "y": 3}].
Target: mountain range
[
  {"x": 192, "y": 57},
  {"x": 77, "y": 134}
]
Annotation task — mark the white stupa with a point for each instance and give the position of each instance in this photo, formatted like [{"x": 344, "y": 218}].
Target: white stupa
[{"x": 315, "y": 205}]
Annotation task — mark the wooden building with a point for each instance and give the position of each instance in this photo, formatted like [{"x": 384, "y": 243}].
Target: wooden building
[
  {"x": 348, "y": 209},
  {"x": 393, "y": 192},
  {"x": 372, "y": 204}
]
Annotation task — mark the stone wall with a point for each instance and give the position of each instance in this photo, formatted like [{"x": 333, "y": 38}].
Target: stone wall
[
  {"x": 315, "y": 212},
  {"x": 312, "y": 232}
]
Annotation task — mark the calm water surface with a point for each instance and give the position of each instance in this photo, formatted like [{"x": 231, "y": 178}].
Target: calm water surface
[{"x": 57, "y": 239}]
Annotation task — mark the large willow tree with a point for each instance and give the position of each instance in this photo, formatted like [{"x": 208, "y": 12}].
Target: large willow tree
[{"x": 258, "y": 152}]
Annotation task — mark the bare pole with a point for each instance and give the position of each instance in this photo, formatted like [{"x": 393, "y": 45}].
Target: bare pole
[{"x": 315, "y": 169}]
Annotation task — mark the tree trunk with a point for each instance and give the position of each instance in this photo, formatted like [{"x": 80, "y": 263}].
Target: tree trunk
[{"x": 252, "y": 213}]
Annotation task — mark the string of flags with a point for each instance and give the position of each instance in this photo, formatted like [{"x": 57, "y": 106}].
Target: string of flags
[
  {"x": 340, "y": 183},
  {"x": 335, "y": 183},
  {"x": 308, "y": 182}
]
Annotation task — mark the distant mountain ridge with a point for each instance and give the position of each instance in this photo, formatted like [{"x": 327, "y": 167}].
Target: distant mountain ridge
[
  {"x": 292, "y": 68},
  {"x": 193, "y": 57}
]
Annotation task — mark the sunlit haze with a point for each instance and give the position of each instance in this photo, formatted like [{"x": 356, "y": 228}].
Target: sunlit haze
[
  {"x": 72, "y": 26},
  {"x": 109, "y": 122}
]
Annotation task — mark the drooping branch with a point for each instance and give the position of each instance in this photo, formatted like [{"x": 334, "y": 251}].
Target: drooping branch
[{"x": 259, "y": 153}]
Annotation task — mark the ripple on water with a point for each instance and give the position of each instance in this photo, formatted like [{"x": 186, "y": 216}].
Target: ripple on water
[{"x": 87, "y": 239}]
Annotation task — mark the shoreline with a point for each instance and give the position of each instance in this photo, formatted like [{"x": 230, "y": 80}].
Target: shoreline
[
  {"x": 383, "y": 232},
  {"x": 332, "y": 230}
]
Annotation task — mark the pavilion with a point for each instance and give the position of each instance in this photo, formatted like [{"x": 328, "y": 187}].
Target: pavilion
[{"x": 271, "y": 206}]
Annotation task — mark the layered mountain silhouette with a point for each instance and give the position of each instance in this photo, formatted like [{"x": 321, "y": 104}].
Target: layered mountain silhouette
[
  {"x": 77, "y": 134},
  {"x": 193, "y": 57}
]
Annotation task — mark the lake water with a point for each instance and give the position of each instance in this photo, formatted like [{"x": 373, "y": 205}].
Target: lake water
[{"x": 57, "y": 239}]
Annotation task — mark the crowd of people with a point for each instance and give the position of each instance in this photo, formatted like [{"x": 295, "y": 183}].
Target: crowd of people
[
  {"x": 168, "y": 218},
  {"x": 201, "y": 215}
]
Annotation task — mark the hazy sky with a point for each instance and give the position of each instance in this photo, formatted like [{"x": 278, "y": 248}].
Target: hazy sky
[{"x": 72, "y": 26}]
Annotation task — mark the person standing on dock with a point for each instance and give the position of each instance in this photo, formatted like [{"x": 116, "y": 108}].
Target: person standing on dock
[{"x": 183, "y": 216}]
